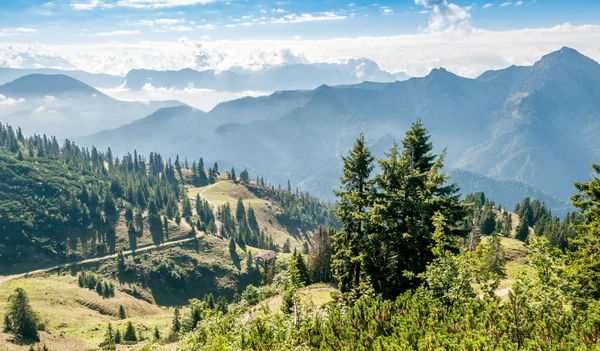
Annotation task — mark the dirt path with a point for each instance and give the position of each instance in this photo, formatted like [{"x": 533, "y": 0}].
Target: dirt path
[
  {"x": 128, "y": 252},
  {"x": 96, "y": 259}
]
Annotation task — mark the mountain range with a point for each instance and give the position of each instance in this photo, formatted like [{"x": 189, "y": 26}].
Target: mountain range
[
  {"x": 289, "y": 76},
  {"x": 537, "y": 125},
  {"x": 63, "y": 106}
]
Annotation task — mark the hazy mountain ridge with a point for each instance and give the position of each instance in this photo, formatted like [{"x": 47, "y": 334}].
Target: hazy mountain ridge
[
  {"x": 98, "y": 80},
  {"x": 520, "y": 123},
  {"x": 63, "y": 106},
  {"x": 280, "y": 77}
]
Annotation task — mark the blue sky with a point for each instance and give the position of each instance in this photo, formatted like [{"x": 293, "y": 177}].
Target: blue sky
[
  {"x": 94, "y": 21},
  {"x": 466, "y": 37}
]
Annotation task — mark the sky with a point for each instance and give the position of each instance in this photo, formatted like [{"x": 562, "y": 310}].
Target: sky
[{"x": 414, "y": 36}]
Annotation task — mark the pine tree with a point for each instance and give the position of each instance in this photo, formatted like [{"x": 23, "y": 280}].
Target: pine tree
[
  {"x": 353, "y": 204},
  {"x": 410, "y": 192},
  {"x": 156, "y": 333},
  {"x": 585, "y": 266},
  {"x": 22, "y": 320},
  {"x": 286, "y": 246},
  {"x": 109, "y": 333},
  {"x": 129, "y": 334},
  {"x": 118, "y": 337},
  {"x": 122, "y": 314},
  {"x": 176, "y": 327},
  {"x": 319, "y": 258},
  {"x": 232, "y": 176},
  {"x": 523, "y": 228}
]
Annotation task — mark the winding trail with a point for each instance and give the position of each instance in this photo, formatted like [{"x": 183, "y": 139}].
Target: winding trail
[{"x": 96, "y": 259}]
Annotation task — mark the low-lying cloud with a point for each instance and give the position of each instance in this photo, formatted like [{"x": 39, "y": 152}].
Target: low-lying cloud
[
  {"x": 467, "y": 53},
  {"x": 202, "y": 99}
]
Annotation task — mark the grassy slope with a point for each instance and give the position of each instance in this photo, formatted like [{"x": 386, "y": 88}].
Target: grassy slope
[
  {"x": 76, "y": 317},
  {"x": 265, "y": 210}
]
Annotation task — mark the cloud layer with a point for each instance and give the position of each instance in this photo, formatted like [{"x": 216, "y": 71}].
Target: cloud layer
[{"x": 467, "y": 53}]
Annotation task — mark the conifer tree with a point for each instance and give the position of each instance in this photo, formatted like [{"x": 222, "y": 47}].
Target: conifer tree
[
  {"x": 21, "y": 318},
  {"x": 130, "y": 334},
  {"x": 585, "y": 267},
  {"x": 176, "y": 327},
  {"x": 410, "y": 192},
  {"x": 353, "y": 205}
]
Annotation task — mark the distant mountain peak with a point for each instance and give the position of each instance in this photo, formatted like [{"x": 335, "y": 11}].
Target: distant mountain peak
[
  {"x": 442, "y": 74},
  {"x": 47, "y": 84},
  {"x": 567, "y": 55}
]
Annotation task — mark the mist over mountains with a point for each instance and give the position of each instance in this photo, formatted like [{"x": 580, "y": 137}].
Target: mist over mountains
[
  {"x": 63, "y": 106},
  {"x": 537, "y": 124}
]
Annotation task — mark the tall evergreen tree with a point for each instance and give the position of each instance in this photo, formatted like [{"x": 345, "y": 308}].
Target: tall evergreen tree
[
  {"x": 353, "y": 205},
  {"x": 585, "y": 267},
  {"x": 410, "y": 192},
  {"x": 23, "y": 321}
]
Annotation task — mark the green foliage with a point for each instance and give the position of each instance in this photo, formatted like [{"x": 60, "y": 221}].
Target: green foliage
[
  {"x": 374, "y": 247},
  {"x": 92, "y": 281},
  {"x": 130, "y": 334},
  {"x": 585, "y": 267},
  {"x": 20, "y": 318},
  {"x": 353, "y": 204},
  {"x": 74, "y": 195}
]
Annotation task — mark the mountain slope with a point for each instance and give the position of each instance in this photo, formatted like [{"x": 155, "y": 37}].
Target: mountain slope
[{"x": 537, "y": 124}]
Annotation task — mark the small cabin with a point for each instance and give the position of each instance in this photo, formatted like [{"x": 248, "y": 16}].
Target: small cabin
[{"x": 265, "y": 256}]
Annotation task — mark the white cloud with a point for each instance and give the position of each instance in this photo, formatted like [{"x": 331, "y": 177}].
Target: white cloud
[
  {"x": 79, "y": 6},
  {"x": 505, "y": 4},
  {"x": 116, "y": 33},
  {"x": 386, "y": 10},
  {"x": 48, "y": 99},
  {"x": 204, "y": 99},
  {"x": 6, "y": 102},
  {"x": 519, "y": 3},
  {"x": 263, "y": 11},
  {"x": 9, "y": 32},
  {"x": 467, "y": 53},
  {"x": 278, "y": 10},
  {"x": 307, "y": 17},
  {"x": 169, "y": 21},
  {"x": 205, "y": 37},
  {"x": 487, "y": 6},
  {"x": 241, "y": 24},
  {"x": 168, "y": 24},
  {"x": 157, "y": 4},
  {"x": 148, "y": 23},
  {"x": 207, "y": 26},
  {"x": 181, "y": 28},
  {"x": 139, "y": 4},
  {"x": 446, "y": 16}
]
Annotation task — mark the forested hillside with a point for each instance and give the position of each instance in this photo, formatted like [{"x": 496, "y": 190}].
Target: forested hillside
[{"x": 64, "y": 202}]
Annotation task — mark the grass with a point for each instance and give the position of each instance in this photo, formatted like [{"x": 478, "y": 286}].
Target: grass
[
  {"x": 315, "y": 295},
  {"x": 76, "y": 318},
  {"x": 265, "y": 211}
]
